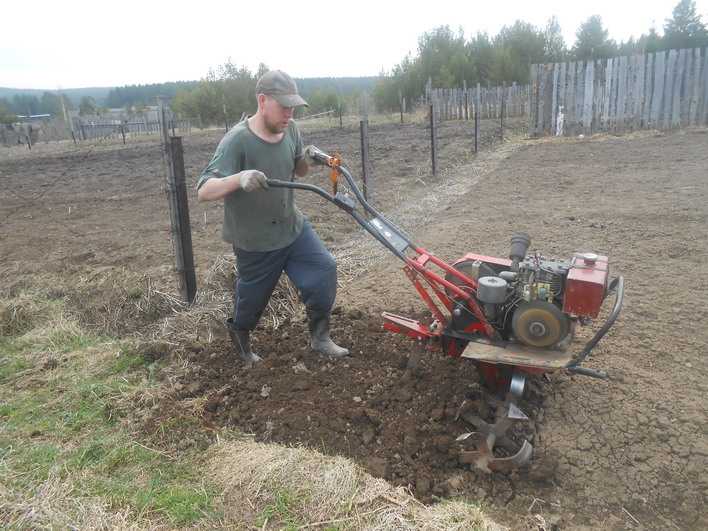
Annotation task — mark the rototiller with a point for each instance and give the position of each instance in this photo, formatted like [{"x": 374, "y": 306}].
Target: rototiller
[{"x": 511, "y": 317}]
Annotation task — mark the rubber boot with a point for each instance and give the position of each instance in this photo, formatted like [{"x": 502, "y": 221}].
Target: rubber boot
[
  {"x": 320, "y": 340},
  {"x": 241, "y": 341}
]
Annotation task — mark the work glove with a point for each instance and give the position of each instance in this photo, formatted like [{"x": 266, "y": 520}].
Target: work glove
[
  {"x": 309, "y": 154},
  {"x": 252, "y": 180}
]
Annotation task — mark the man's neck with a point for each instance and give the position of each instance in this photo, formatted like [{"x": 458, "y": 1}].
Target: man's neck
[{"x": 258, "y": 126}]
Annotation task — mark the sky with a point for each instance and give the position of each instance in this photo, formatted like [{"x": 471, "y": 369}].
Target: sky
[{"x": 77, "y": 43}]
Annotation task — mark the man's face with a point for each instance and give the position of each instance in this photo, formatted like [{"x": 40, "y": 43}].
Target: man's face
[{"x": 276, "y": 117}]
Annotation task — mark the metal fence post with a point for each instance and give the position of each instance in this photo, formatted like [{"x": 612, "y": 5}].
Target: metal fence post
[
  {"x": 179, "y": 208},
  {"x": 501, "y": 111},
  {"x": 433, "y": 140},
  {"x": 364, "y": 133}
]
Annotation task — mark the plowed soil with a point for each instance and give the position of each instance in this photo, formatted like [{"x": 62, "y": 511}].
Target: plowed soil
[{"x": 630, "y": 452}]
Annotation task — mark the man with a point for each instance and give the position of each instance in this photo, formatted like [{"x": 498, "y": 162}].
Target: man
[{"x": 268, "y": 232}]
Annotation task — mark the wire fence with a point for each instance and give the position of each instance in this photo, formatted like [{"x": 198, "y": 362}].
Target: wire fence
[{"x": 103, "y": 194}]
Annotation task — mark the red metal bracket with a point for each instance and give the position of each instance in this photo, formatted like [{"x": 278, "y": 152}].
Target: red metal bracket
[{"x": 408, "y": 327}]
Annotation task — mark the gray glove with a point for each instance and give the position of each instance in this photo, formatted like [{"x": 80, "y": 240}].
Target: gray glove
[
  {"x": 252, "y": 180},
  {"x": 309, "y": 153}
]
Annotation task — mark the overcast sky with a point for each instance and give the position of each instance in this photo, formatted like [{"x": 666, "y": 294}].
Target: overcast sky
[{"x": 77, "y": 43}]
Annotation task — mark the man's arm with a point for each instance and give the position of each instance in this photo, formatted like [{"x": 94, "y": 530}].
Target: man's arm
[
  {"x": 219, "y": 187},
  {"x": 301, "y": 162},
  {"x": 301, "y": 167}
]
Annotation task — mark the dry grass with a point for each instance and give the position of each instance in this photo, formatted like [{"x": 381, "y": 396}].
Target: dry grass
[
  {"x": 54, "y": 505},
  {"x": 275, "y": 487},
  {"x": 69, "y": 458},
  {"x": 204, "y": 319},
  {"x": 19, "y": 314}
]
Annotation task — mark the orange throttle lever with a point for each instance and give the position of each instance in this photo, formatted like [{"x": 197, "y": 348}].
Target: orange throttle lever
[{"x": 334, "y": 163}]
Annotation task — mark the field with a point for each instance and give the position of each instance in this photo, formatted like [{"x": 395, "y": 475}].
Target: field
[{"x": 89, "y": 227}]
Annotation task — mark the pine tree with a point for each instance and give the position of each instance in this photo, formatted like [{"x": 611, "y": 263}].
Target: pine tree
[
  {"x": 685, "y": 28},
  {"x": 592, "y": 40},
  {"x": 554, "y": 45}
]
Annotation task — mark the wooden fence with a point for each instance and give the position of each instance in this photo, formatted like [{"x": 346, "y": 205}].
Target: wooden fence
[
  {"x": 462, "y": 103},
  {"x": 663, "y": 90}
]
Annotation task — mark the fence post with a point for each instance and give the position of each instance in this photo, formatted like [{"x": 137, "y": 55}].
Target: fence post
[
  {"x": 364, "y": 133},
  {"x": 179, "y": 209},
  {"x": 433, "y": 140},
  {"x": 400, "y": 103},
  {"x": 477, "y": 110},
  {"x": 467, "y": 101},
  {"x": 122, "y": 132},
  {"x": 501, "y": 111}
]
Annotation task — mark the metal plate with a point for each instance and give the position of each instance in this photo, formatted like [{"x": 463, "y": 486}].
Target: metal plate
[
  {"x": 515, "y": 354},
  {"x": 384, "y": 230}
]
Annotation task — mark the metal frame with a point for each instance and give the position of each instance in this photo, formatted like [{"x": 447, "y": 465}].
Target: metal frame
[{"x": 422, "y": 277}]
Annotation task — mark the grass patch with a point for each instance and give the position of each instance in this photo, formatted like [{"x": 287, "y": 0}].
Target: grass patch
[
  {"x": 62, "y": 432},
  {"x": 126, "y": 361},
  {"x": 283, "y": 510},
  {"x": 11, "y": 363}
]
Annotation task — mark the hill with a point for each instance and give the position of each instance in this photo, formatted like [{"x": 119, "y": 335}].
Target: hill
[{"x": 134, "y": 94}]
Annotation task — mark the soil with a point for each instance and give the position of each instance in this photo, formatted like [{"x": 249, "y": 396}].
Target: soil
[
  {"x": 388, "y": 407},
  {"x": 625, "y": 453}
]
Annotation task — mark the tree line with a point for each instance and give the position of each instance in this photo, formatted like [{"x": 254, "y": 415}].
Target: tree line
[
  {"x": 220, "y": 97},
  {"x": 229, "y": 91},
  {"x": 25, "y": 105},
  {"x": 448, "y": 59}
]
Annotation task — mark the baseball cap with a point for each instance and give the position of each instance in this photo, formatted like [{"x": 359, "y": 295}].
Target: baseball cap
[{"x": 280, "y": 86}]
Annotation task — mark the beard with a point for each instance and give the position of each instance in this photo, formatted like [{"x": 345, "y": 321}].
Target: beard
[{"x": 274, "y": 127}]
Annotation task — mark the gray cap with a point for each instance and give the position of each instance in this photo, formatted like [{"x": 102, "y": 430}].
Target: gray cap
[{"x": 280, "y": 86}]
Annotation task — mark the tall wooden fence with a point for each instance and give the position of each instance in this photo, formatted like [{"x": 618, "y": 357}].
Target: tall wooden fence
[
  {"x": 663, "y": 90},
  {"x": 461, "y": 103}
]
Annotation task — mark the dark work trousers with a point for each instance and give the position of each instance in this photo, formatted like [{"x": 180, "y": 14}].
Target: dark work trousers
[{"x": 307, "y": 263}]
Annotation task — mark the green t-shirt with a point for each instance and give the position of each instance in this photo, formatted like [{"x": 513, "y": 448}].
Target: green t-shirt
[{"x": 262, "y": 220}]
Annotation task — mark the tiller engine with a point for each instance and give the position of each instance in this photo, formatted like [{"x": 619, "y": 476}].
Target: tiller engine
[{"x": 512, "y": 317}]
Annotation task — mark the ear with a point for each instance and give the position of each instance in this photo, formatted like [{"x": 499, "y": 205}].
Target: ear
[{"x": 261, "y": 100}]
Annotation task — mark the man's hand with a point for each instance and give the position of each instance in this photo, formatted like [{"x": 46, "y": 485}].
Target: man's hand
[
  {"x": 250, "y": 180},
  {"x": 309, "y": 154}
]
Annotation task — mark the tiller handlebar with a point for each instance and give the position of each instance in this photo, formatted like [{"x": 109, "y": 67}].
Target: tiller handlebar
[{"x": 398, "y": 243}]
